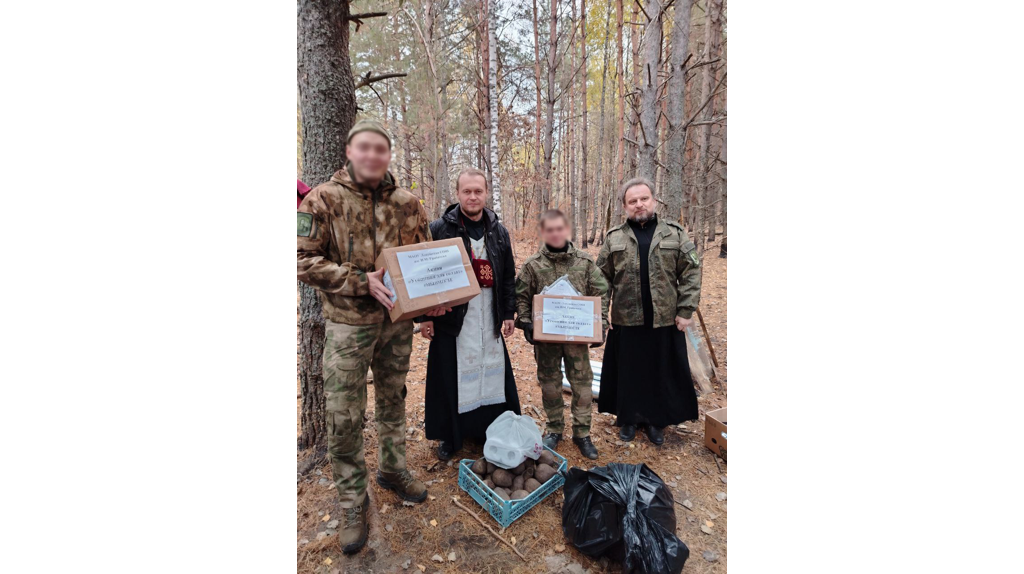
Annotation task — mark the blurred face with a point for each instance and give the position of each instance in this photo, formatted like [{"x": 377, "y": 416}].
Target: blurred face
[
  {"x": 554, "y": 232},
  {"x": 472, "y": 194},
  {"x": 370, "y": 155},
  {"x": 639, "y": 203}
]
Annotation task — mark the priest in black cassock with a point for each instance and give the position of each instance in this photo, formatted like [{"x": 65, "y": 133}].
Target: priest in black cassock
[
  {"x": 469, "y": 375},
  {"x": 654, "y": 274}
]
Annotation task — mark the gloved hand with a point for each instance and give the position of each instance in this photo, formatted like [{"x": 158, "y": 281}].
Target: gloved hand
[{"x": 528, "y": 333}]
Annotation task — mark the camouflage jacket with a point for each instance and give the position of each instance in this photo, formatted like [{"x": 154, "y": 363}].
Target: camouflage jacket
[
  {"x": 673, "y": 269},
  {"x": 544, "y": 267},
  {"x": 342, "y": 228}
]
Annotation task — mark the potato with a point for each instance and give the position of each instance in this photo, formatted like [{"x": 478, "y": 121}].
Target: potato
[
  {"x": 531, "y": 484},
  {"x": 529, "y": 472},
  {"x": 530, "y": 463},
  {"x": 479, "y": 467},
  {"x": 547, "y": 458},
  {"x": 490, "y": 467},
  {"x": 489, "y": 483},
  {"x": 520, "y": 468},
  {"x": 502, "y": 477},
  {"x": 544, "y": 473},
  {"x": 502, "y": 493},
  {"x": 519, "y": 494},
  {"x": 517, "y": 483}
]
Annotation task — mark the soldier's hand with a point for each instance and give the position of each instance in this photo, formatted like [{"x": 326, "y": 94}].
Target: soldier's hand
[
  {"x": 682, "y": 323},
  {"x": 438, "y": 311},
  {"x": 604, "y": 338},
  {"x": 528, "y": 333},
  {"x": 377, "y": 288},
  {"x": 507, "y": 327},
  {"x": 427, "y": 330}
]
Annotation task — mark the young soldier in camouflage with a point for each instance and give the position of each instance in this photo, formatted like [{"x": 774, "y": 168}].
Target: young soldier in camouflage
[
  {"x": 558, "y": 257},
  {"x": 342, "y": 227}
]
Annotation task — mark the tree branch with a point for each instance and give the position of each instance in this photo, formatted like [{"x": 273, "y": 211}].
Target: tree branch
[{"x": 366, "y": 79}]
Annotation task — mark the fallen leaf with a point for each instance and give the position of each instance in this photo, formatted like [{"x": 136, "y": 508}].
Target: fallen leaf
[
  {"x": 421, "y": 567},
  {"x": 328, "y": 561},
  {"x": 384, "y": 509},
  {"x": 719, "y": 496},
  {"x": 723, "y": 479},
  {"x": 710, "y": 555},
  {"x": 325, "y": 518},
  {"x": 559, "y": 547},
  {"x": 513, "y": 541},
  {"x": 406, "y": 564},
  {"x": 688, "y": 504},
  {"x": 437, "y": 558},
  {"x": 704, "y": 528},
  {"x": 451, "y": 557},
  {"x": 709, "y": 523},
  {"x": 433, "y": 522},
  {"x": 407, "y": 503},
  {"x": 432, "y": 497}
]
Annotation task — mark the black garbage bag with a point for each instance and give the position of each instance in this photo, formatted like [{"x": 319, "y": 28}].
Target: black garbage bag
[{"x": 624, "y": 512}]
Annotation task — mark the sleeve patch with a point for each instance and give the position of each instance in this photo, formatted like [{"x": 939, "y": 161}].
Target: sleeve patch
[
  {"x": 693, "y": 257},
  {"x": 305, "y": 224}
]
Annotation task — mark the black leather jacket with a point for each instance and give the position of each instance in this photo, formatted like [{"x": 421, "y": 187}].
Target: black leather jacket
[{"x": 499, "y": 253}]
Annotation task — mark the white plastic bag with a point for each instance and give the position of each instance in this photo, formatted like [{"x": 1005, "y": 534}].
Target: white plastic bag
[{"x": 511, "y": 438}]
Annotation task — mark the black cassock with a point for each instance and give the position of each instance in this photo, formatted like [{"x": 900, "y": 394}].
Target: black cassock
[
  {"x": 645, "y": 375},
  {"x": 442, "y": 418}
]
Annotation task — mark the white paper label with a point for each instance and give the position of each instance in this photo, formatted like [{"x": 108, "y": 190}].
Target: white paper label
[
  {"x": 431, "y": 271},
  {"x": 568, "y": 317}
]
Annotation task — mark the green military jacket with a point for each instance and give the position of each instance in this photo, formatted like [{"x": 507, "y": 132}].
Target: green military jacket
[
  {"x": 673, "y": 268},
  {"x": 544, "y": 267},
  {"x": 342, "y": 228}
]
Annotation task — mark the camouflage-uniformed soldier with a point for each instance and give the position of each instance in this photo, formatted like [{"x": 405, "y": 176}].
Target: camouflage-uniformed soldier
[
  {"x": 558, "y": 257},
  {"x": 343, "y": 225}
]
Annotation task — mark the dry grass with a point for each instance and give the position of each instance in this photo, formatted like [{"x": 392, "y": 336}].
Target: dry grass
[{"x": 412, "y": 537}]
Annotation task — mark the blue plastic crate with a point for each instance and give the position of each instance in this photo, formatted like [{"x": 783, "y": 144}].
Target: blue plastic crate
[{"x": 507, "y": 511}]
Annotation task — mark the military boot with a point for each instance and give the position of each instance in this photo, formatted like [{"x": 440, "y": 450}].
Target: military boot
[
  {"x": 586, "y": 447},
  {"x": 552, "y": 439},
  {"x": 353, "y": 532},
  {"x": 404, "y": 484}
]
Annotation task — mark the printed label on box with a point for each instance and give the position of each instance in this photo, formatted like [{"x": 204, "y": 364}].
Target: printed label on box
[
  {"x": 568, "y": 317},
  {"x": 432, "y": 271}
]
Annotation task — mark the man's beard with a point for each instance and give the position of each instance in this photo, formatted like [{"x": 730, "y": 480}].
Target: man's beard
[{"x": 642, "y": 219}]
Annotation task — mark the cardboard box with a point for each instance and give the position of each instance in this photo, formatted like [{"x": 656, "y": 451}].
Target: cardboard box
[
  {"x": 716, "y": 431},
  {"x": 566, "y": 319},
  {"x": 425, "y": 275}
]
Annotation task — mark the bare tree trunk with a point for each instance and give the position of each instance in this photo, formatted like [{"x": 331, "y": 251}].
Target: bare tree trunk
[
  {"x": 698, "y": 207},
  {"x": 620, "y": 157},
  {"x": 537, "y": 186},
  {"x": 492, "y": 94},
  {"x": 485, "y": 96},
  {"x": 599, "y": 181},
  {"x": 675, "y": 159},
  {"x": 725, "y": 181},
  {"x": 550, "y": 126},
  {"x": 634, "y": 117},
  {"x": 571, "y": 174},
  {"x": 584, "y": 198},
  {"x": 648, "y": 120},
  {"x": 327, "y": 98}
]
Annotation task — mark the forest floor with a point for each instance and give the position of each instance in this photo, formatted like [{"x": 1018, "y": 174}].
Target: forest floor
[{"x": 411, "y": 538}]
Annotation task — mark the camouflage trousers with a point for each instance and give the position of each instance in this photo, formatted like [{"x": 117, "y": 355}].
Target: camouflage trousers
[
  {"x": 577, "y": 369},
  {"x": 348, "y": 351}
]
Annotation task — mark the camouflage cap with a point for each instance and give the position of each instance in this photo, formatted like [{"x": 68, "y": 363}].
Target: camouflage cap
[{"x": 367, "y": 125}]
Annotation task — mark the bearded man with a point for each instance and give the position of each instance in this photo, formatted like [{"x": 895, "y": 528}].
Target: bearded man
[{"x": 654, "y": 274}]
